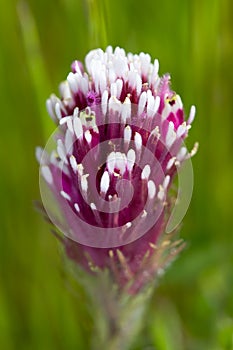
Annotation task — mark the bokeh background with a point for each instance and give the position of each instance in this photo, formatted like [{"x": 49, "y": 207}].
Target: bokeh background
[{"x": 192, "y": 309}]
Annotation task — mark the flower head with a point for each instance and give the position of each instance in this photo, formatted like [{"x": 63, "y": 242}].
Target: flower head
[{"x": 118, "y": 145}]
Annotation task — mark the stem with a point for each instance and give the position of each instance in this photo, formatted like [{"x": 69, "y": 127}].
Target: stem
[{"x": 118, "y": 318}]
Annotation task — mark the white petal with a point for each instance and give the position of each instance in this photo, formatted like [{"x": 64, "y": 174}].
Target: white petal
[
  {"x": 69, "y": 141},
  {"x": 88, "y": 136},
  {"x": 46, "y": 172},
  {"x": 138, "y": 141},
  {"x": 120, "y": 162},
  {"x": 142, "y": 102},
  {"x": 127, "y": 134},
  {"x": 156, "y": 104},
  {"x": 113, "y": 89},
  {"x": 80, "y": 169},
  {"x": 155, "y": 71},
  {"x": 181, "y": 154},
  {"x": 50, "y": 109},
  {"x": 161, "y": 193},
  {"x": 84, "y": 183},
  {"x": 138, "y": 84},
  {"x": 93, "y": 206},
  {"x": 170, "y": 163},
  {"x": 78, "y": 128},
  {"x": 181, "y": 130},
  {"x": 150, "y": 103},
  {"x": 126, "y": 110},
  {"x": 131, "y": 156},
  {"x": 76, "y": 206},
  {"x": 65, "y": 195},
  {"x": 119, "y": 84},
  {"x": 73, "y": 163},
  {"x": 65, "y": 90},
  {"x": 145, "y": 172},
  {"x": 61, "y": 150},
  {"x": 72, "y": 82},
  {"x": 151, "y": 189},
  {"x": 58, "y": 111},
  {"x": 191, "y": 115},
  {"x": 104, "y": 102},
  {"x": 171, "y": 135},
  {"x": 39, "y": 152},
  {"x": 111, "y": 161},
  {"x": 64, "y": 120},
  {"x": 104, "y": 182},
  {"x": 76, "y": 112},
  {"x": 115, "y": 104},
  {"x": 178, "y": 104},
  {"x": 166, "y": 182},
  {"x": 84, "y": 81}
]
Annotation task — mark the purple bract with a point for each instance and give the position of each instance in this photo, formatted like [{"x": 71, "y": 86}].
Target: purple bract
[{"x": 119, "y": 143}]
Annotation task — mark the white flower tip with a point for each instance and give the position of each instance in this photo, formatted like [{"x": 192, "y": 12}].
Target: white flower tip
[
  {"x": 104, "y": 182},
  {"x": 46, "y": 173},
  {"x": 161, "y": 193},
  {"x": 144, "y": 213},
  {"x": 111, "y": 161},
  {"x": 64, "y": 120},
  {"x": 128, "y": 224},
  {"x": 145, "y": 172},
  {"x": 170, "y": 163},
  {"x": 181, "y": 130},
  {"x": 181, "y": 154},
  {"x": 156, "y": 66},
  {"x": 131, "y": 156},
  {"x": 76, "y": 206},
  {"x": 127, "y": 134},
  {"x": 93, "y": 206},
  {"x": 121, "y": 162},
  {"x": 80, "y": 169},
  {"x": 84, "y": 183},
  {"x": 58, "y": 111},
  {"x": 73, "y": 163},
  {"x": 142, "y": 102},
  {"x": 65, "y": 195},
  {"x": 151, "y": 189},
  {"x": 195, "y": 149},
  {"x": 39, "y": 153},
  {"x": 171, "y": 135},
  {"x": 115, "y": 104},
  {"x": 138, "y": 141},
  {"x": 191, "y": 115},
  {"x": 61, "y": 150},
  {"x": 78, "y": 128},
  {"x": 126, "y": 109},
  {"x": 166, "y": 182},
  {"x": 88, "y": 136}
]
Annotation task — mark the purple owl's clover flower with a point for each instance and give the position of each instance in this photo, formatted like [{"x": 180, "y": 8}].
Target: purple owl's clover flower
[{"x": 117, "y": 148}]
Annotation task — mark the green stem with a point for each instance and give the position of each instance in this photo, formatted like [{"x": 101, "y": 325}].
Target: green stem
[{"x": 118, "y": 318}]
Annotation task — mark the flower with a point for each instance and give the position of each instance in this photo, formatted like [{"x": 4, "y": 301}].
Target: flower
[{"x": 118, "y": 146}]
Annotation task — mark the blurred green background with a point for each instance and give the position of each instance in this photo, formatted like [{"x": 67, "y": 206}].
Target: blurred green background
[{"x": 192, "y": 309}]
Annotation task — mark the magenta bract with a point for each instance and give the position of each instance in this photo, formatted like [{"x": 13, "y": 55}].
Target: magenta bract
[{"x": 118, "y": 145}]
